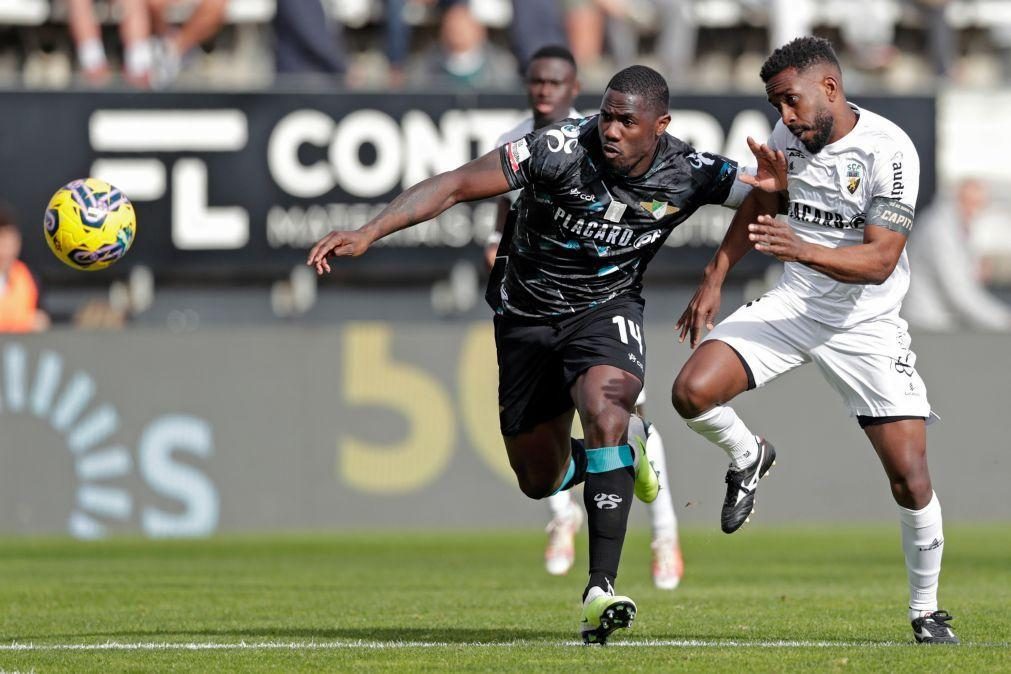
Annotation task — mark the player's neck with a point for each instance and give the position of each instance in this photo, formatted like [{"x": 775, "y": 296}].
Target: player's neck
[{"x": 847, "y": 122}]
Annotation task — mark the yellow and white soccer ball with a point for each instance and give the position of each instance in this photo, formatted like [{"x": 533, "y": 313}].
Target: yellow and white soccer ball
[{"x": 89, "y": 224}]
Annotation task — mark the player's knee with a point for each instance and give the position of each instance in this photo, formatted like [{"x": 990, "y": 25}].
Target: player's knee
[
  {"x": 689, "y": 397},
  {"x": 535, "y": 486},
  {"x": 912, "y": 491},
  {"x": 608, "y": 426}
]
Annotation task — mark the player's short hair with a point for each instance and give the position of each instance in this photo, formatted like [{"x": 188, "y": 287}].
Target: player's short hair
[
  {"x": 554, "y": 51},
  {"x": 644, "y": 82},
  {"x": 801, "y": 53}
]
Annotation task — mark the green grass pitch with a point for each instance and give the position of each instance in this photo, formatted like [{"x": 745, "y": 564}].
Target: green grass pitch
[{"x": 764, "y": 599}]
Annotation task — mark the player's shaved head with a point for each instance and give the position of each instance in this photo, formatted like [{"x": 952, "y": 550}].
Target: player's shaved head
[
  {"x": 645, "y": 83},
  {"x": 801, "y": 54}
]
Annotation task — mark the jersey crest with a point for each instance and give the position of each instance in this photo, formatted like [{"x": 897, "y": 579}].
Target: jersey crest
[
  {"x": 659, "y": 209},
  {"x": 854, "y": 173}
]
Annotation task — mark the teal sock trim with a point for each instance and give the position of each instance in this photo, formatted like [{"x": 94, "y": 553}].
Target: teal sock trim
[
  {"x": 606, "y": 459},
  {"x": 569, "y": 473}
]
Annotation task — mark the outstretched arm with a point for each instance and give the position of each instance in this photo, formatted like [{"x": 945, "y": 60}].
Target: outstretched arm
[{"x": 478, "y": 179}]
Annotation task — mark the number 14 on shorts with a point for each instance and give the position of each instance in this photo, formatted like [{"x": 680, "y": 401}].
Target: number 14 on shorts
[{"x": 632, "y": 329}]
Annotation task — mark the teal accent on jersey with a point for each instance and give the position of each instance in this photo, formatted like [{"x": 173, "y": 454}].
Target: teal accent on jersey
[
  {"x": 569, "y": 474},
  {"x": 604, "y": 271},
  {"x": 606, "y": 459}
]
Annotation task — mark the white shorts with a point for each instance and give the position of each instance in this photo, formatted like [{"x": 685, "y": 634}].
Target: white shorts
[{"x": 869, "y": 364}]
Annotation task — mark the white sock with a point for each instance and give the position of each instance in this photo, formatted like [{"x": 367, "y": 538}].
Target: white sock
[
  {"x": 138, "y": 58},
  {"x": 923, "y": 545},
  {"x": 91, "y": 54},
  {"x": 560, "y": 504},
  {"x": 665, "y": 522},
  {"x": 723, "y": 427}
]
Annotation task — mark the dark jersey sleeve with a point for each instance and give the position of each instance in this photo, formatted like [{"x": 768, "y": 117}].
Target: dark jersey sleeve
[
  {"x": 713, "y": 175},
  {"x": 541, "y": 157}
]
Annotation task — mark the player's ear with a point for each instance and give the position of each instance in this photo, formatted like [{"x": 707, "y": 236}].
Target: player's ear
[
  {"x": 831, "y": 86},
  {"x": 661, "y": 124}
]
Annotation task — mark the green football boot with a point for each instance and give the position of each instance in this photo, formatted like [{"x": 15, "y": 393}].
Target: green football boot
[
  {"x": 647, "y": 481},
  {"x": 603, "y": 615}
]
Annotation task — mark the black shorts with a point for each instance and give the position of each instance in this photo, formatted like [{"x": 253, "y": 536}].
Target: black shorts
[{"x": 538, "y": 360}]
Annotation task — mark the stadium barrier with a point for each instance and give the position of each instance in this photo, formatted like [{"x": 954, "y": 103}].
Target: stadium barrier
[
  {"x": 237, "y": 186},
  {"x": 394, "y": 425}
]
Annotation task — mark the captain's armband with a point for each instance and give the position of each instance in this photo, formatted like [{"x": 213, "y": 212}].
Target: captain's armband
[{"x": 891, "y": 214}]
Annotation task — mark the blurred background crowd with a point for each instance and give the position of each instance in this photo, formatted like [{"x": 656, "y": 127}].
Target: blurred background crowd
[
  {"x": 961, "y": 246},
  {"x": 708, "y": 45}
]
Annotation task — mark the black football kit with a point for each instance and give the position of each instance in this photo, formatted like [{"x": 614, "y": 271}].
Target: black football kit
[{"x": 580, "y": 237}]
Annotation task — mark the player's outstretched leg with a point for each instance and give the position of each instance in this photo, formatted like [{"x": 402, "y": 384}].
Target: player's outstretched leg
[
  {"x": 668, "y": 564},
  {"x": 567, "y": 518}
]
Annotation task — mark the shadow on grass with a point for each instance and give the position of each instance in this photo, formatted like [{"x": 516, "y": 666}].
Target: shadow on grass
[{"x": 433, "y": 635}]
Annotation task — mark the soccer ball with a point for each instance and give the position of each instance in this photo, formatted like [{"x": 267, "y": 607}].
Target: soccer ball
[{"x": 89, "y": 224}]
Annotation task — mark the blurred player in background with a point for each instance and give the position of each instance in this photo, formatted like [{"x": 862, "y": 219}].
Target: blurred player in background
[
  {"x": 19, "y": 294},
  {"x": 851, "y": 178},
  {"x": 604, "y": 193},
  {"x": 552, "y": 87}
]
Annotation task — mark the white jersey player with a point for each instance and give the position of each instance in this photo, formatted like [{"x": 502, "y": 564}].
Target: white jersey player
[{"x": 850, "y": 179}]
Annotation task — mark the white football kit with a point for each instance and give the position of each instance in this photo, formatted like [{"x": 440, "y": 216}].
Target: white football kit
[{"x": 851, "y": 331}]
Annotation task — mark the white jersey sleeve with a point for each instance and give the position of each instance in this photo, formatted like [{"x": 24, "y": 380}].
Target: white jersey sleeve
[{"x": 896, "y": 169}]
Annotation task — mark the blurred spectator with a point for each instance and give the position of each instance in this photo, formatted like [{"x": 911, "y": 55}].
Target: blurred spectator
[
  {"x": 941, "y": 39},
  {"x": 676, "y": 28},
  {"x": 464, "y": 57},
  {"x": 788, "y": 19},
  {"x": 175, "y": 42},
  {"x": 868, "y": 30},
  {"x": 535, "y": 24},
  {"x": 19, "y": 294},
  {"x": 134, "y": 30},
  {"x": 306, "y": 41},
  {"x": 946, "y": 290},
  {"x": 585, "y": 25},
  {"x": 398, "y": 40}
]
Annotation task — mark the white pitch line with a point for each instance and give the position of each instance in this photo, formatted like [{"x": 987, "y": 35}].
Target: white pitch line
[{"x": 393, "y": 645}]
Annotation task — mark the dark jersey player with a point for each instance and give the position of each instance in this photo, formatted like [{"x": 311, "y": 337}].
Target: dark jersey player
[{"x": 599, "y": 198}]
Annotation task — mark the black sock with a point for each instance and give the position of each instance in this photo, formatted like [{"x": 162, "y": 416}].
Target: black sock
[{"x": 608, "y": 500}]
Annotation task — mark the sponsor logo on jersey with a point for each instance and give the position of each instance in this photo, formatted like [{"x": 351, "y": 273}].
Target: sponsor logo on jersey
[
  {"x": 816, "y": 216},
  {"x": 791, "y": 154},
  {"x": 698, "y": 160},
  {"x": 854, "y": 172},
  {"x": 576, "y": 193},
  {"x": 564, "y": 139},
  {"x": 604, "y": 232},
  {"x": 898, "y": 184},
  {"x": 659, "y": 209},
  {"x": 647, "y": 238}
]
